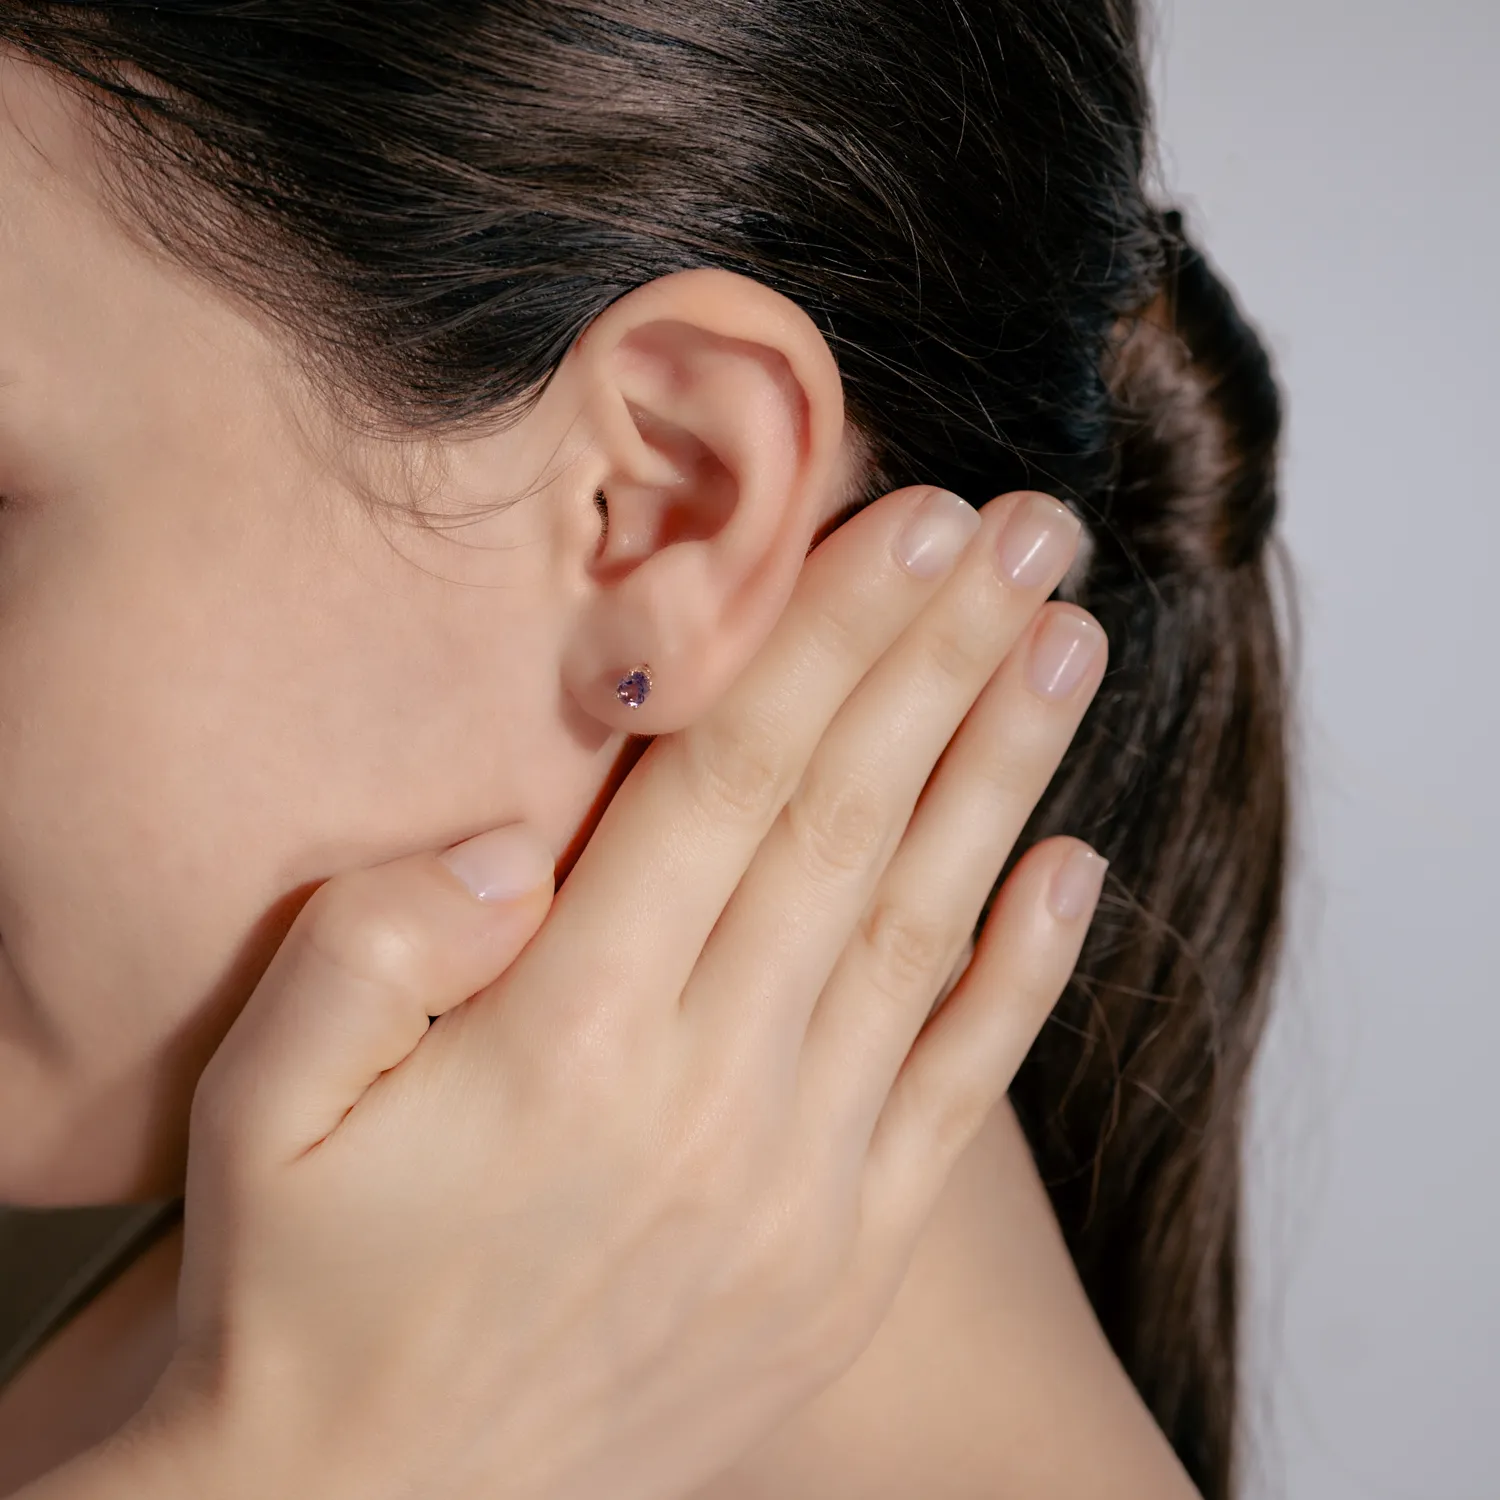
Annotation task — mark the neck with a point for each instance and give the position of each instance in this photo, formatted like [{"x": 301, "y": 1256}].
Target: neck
[{"x": 990, "y": 1374}]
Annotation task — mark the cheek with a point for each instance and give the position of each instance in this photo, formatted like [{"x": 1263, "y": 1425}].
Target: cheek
[
  {"x": 192, "y": 741},
  {"x": 182, "y": 756}
]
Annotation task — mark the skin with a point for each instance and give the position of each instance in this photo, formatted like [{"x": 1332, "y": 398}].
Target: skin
[{"x": 225, "y": 679}]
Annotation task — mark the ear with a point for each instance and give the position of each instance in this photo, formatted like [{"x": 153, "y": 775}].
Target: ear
[{"x": 711, "y": 422}]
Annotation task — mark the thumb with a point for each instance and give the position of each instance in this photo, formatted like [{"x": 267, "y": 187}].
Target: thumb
[{"x": 371, "y": 956}]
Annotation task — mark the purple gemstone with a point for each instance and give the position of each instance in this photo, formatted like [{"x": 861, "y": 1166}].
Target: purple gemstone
[{"x": 633, "y": 689}]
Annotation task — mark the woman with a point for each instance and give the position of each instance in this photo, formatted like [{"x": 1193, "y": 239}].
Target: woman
[{"x": 628, "y": 305}]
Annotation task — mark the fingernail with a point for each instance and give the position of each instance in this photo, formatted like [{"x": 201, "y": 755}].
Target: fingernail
[
  {"x": 1062, "y": 652},
  {"x": 501, "y": 865},
  {"x": 1076, "y": 885},
  {"x": 1037, "y": 541},
  {"x": 935, "y": 536}
]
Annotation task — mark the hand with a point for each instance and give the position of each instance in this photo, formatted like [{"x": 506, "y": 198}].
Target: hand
[{"x": 615, "y": 1214}]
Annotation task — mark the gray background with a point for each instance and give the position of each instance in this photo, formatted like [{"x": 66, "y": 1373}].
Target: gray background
[{"x": 1339, "y": 160}]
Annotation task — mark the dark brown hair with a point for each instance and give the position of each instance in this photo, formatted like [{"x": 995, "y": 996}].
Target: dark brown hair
[{"x": 434, "y": 198}]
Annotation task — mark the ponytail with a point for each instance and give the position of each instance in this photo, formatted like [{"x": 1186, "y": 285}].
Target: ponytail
[{"x": 1134, "y": 1098}]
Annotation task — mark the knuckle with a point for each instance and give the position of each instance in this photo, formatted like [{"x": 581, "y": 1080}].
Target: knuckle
[
  {"x": 836, "y": 823},
  {"x": 941, "y": 1114},
  {"x": 839, "y": 626},
  {"x": 959, "y": 649},
  {"x": 737, "y": 766},
  {"x": 1004, "y": 772},
  {"x": 361, "y": 929},
  {"x": 956, "y": 1115},
  {"x": 908, "y": 949}
]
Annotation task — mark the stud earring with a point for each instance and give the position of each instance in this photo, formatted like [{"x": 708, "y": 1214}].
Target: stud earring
[{"x": 634, "y": 687}]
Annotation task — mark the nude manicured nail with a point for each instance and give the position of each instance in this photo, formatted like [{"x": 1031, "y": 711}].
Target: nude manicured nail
[
  {"x": 936, "y": 534},
  {"x": 1037, "y": 541},
  {"x": 1076, "y": 885},
  {"x": 1062, "y": 653},
  {"x": 501, "y": 865}
]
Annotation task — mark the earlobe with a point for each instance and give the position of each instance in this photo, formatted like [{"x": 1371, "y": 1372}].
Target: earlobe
[{"x": 714, "y": 413}]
